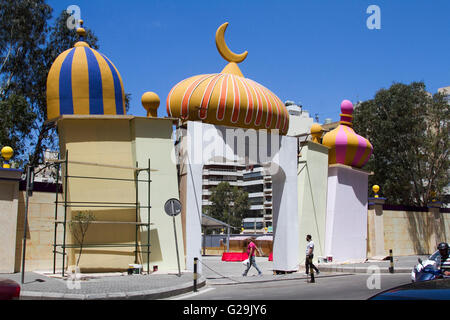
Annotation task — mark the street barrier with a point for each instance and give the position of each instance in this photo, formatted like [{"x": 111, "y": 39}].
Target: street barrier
[
  {"x": 391, "y": 259},
  {"x": 195, "y": 274}
]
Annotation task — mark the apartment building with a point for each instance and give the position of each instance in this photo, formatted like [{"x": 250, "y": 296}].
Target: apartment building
[
  {"x": 251, "y": 179},
  {"x": 258, "y": 185},
  {"x": 299, "y": 120},
  {"x": 215, "y": 173},
  {"x": 445, "y": 91}
]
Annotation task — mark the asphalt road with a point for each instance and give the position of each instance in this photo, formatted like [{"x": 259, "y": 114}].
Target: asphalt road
[{"x": 326, "y": 287}]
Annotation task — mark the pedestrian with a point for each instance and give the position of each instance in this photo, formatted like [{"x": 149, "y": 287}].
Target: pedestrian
[
  {"x": 310, "y": 255},
  {"x": 251, "y": 251}
]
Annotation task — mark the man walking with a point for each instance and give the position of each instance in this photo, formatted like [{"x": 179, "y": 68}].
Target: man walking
[
  {"x": 310, "y": 255},
  {"x": 251, "y": 249}
]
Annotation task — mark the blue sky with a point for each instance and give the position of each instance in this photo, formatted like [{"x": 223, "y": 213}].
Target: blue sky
[{"x": 314, "y": 52}]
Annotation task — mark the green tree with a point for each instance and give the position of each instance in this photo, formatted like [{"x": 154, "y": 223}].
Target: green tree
[
  {"x": 229, "y": 204},
  {"x": 28, "y": 48},
  {"x": 79, "y": 226},
  {"x": 23, "y": 30},
  {"x": 408, "y": 128}
]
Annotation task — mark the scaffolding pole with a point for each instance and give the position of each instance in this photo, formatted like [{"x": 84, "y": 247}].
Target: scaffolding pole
[
  {"x": 66, "y": 177},
  {"x": 67, "y": 204},
  {"x": 58, "y": 166},
  {"x": 148, "y": 216}
]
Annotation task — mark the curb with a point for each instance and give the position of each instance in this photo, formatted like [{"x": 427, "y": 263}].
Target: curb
[
  {"x": 262, "y": 280},
  {"x": 361, "y": 269},
  {"x": 136, "y": 295}
]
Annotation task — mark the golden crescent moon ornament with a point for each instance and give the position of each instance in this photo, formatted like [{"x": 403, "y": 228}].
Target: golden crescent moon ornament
[{"x": 223, "y": 49}]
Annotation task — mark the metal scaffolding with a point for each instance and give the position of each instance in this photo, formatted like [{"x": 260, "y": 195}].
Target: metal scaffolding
[{"x": 92, "y": 204}]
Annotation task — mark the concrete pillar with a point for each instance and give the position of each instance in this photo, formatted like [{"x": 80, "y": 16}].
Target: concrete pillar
[
  {"x": 285, "y": 207},
  {"x": 312, "y": 196},
  {"x": 376, "y": 226},
  {"x": 346, "y": 222},
  {"x": 9, "y": 200}
]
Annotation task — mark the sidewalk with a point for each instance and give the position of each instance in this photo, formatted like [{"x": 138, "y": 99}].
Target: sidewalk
[
  {"x": 218, "y": 272},
  {"x": 403, "y": 264},
  {"x": 116, "y": 286},
  {"x": 161, "y": 285}
]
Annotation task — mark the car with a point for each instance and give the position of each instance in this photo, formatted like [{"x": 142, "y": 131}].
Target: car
[
  {"x": 9, "y": 289},
  {"x": 427, "y": 290},
  {"x": 432, "y": 260}
]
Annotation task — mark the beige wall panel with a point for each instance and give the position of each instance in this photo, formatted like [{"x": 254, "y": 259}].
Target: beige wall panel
[{"x": 107, "y": 142}]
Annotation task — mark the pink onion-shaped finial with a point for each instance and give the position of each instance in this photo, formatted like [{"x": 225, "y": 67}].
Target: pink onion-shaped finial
[
  {"x": 347, "y": 107},
  {"x": 347, "y": 111},
  {"x": 347, "y": 147}
]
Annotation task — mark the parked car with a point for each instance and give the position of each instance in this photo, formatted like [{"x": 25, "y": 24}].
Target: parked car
[
  {"x": 432, "y": 261},
  {"x": 427, "y": 290},
  {"x": 9, "y": 289}
]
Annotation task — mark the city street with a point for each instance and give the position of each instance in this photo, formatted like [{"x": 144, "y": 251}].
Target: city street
[
  {"x": 326, "y": 287},
  {"x": 225, "y": 158}
]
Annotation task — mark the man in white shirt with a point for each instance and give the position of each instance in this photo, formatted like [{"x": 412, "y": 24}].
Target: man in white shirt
[{"x": 310, "y": 255}]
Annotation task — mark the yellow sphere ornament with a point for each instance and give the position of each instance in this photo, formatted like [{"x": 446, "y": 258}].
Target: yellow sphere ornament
[
  {"x": 150, "y": 101},
  {"x": 7, "y": 153},
  {"x": 316, "y": 132},
  {"x": 433, "y": 196},
  {"x": 375, "y": 189}
]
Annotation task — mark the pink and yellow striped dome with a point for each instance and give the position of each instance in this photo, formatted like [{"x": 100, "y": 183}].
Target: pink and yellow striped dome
[
  {"x": 227, "y": 99},
  {"x": 347, "y": 147}
]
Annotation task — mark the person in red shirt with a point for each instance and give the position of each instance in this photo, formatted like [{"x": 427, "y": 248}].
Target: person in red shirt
[{"x": 251, "y": 250}]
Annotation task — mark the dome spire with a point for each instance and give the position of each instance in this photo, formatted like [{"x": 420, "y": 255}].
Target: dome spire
[
  {"x": 223, "y": 49},
  {"x": 81, "y": 31},
  {"x": 227, "y": 54},
  {"x": 81, "y": 34},
  {"x": 347, "y": 113}
]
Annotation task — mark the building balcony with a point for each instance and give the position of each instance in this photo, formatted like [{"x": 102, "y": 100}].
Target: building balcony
[
  {"x": 258, "y": 169},
  {"x": 215, "y": 183},
  {"x": 220, "y": 172},
  {"x": 252, "y": 182},
  {"x": 256, "y": 195}
]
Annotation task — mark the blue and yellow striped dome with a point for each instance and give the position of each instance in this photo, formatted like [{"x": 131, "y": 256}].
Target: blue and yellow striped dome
[{"x": 82, "y": 81}]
